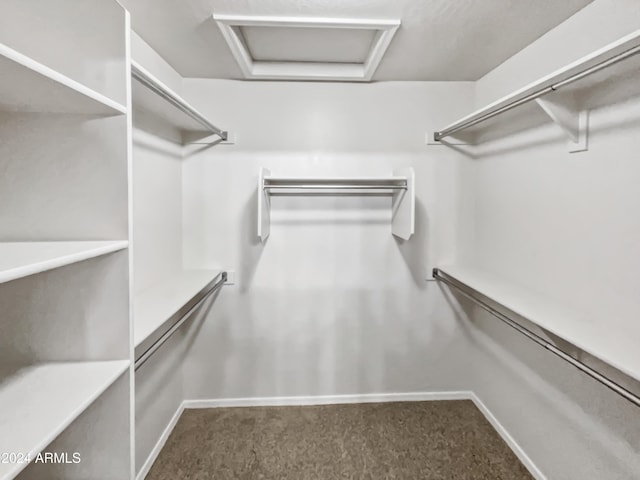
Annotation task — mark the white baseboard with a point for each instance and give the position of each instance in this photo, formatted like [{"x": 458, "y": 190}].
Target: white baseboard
[
  {"x": 341, "y": 399},
  {"x": 326, "y": 399},
  {"x": 155, "y": 451},
  {"x": 508, "y": 439}
]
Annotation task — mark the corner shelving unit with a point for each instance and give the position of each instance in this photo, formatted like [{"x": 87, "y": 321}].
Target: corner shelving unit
[
  {"x": 64, "y": 278},
  {"x": 156, "y": 98},
  {"x": 594, "y": 338},
  {"x": 400, "y": 186},
  {"x": 563, "y": 96}
]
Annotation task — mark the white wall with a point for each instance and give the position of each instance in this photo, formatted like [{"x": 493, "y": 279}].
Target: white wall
[
  {"x": 566, "y": 226},
  {"x": 332, "y": 303}
]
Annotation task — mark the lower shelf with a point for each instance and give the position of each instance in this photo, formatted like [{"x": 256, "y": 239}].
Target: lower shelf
[
  {"x": 39, "y": 402},
  {"x": 597, "y": 337},
  {"x": 157, "y": 308}
]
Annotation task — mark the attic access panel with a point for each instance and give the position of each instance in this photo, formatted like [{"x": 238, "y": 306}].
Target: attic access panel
[{"x": 293, "y": 48}]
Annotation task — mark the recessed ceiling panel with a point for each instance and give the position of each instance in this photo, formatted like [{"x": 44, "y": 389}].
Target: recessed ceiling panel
[
  {"x": 307, "y": 48},
  {"x": 287, "y": 44}
]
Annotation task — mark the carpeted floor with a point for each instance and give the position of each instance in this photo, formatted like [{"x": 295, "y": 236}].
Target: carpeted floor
[{"x": 407, "y": 440}]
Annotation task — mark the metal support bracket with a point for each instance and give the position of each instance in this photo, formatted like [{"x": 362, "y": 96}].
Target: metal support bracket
[
  {"x": 571, "y": 120},
  {"x": 430, "y": 139}
]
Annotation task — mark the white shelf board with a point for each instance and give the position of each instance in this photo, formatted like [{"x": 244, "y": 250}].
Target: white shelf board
[
  {"x": 582, "y": 89},
  {"x": 153, "y": 307},
  {"x": 150, "y": 101},
  {"x": 403, "y": 199},
  {"x": 356, "y": 180},
  {"x": 21, "y": 259},
  {"x": 39, "y": 402},
  {"x": 596, "y": 337},
  {"x": 29, "y": 86}
]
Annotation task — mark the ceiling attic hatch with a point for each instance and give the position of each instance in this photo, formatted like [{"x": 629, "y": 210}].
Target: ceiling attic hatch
[{"x": 294, "y": 48}]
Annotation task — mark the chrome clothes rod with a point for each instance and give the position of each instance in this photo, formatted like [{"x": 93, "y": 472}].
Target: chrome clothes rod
[
  {"x": 460, "y": 287},
  {"x": 182, "y": 318},
  {"x": 336, "y": 187},
  {"x": 437, "y": 136},
  {"x": 142, "y": 77}
]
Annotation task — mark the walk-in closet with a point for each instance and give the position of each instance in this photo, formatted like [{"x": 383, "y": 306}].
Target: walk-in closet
[{"x": 319, "y": 240}]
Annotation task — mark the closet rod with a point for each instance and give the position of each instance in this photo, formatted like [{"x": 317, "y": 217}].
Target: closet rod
[
  {"x": 337, "y": 187},
  {"x": 617, "y": 388},
  {"x": 437, "y": 136},
  {"x": 140, "y": 75},
  {"x": 158, "y": 343}
]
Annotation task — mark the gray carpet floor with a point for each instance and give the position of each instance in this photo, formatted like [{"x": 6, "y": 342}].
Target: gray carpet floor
[{"x": 449, "y": 440}]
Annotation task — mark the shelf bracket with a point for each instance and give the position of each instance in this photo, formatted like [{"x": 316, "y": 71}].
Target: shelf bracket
[
  {"x": 573, "y": 121},
  {"x": 452, "y": 140}
]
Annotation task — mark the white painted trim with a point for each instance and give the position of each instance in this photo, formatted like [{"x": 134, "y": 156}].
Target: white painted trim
[
  {"x": 325, "y": 399},
  {"x": 331, "y": 71},
  {"x": 153, "y": 455},
  {"x": 337, "y": 400},
  {"x": 506, "y": 436}
]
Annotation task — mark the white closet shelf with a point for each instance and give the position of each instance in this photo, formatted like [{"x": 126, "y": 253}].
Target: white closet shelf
[
  {"x": 157, "y": 308},
  {"x": 153, "y": 96},
  {"x": 401, "y": 185},
  {"x": 390, "y": 180},
  {"x": 587, "y": 334},
  {"x": 600, "y": 78},
  {"x": 39, "y": 402},
  {"x": 21, "y": 259},
  {"x": 29, "y": 86}
]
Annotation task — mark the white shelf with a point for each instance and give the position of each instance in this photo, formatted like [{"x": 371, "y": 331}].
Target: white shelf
[
  {"x": 38, "y": 403},
  {"x": 156, "y": 98},
  {"x": 401, "y": 185},
  {"x": 373, "y": 181},
  {"x": 20, "y": 259},
  {"x": 29, "y": 86},
  {"x": 597, "y": 337},
  {"x": 155, "y": 309},
  {"x": 619, "y": 81}
]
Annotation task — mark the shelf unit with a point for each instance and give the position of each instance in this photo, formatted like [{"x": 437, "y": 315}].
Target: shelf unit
[
  {"x": 64, "y": 276},
  {"x": 19, "y": 259},
  {"x": 593, "y": 337},
  {"x": 159, "y": 307},
  {"x": 154, "y": 97},
  {"x": 564, "y": 96},
  {"x": 400, "y": 186},
  {"x": 39, "y": 402},
  {"x": 29, "y": 86}
]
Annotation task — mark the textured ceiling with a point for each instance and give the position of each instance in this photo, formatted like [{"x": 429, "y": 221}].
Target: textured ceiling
[{"x": 438, "y": 39}]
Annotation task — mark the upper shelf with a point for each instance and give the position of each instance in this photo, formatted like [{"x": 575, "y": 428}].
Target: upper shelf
[
  {"x": 401, "y": 185},
  {"x": 571, "y": 86},
  {"x": 273, "y": 184},
  {"x": 597, "y": 338},
  {"x": 29, "y": 86},
  {"x": 153, "y": 96},
  {"x": 21, "y": 259}
]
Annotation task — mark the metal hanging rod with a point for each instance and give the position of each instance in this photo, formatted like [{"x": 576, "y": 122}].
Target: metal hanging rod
[
  {"x": 152, "y": 84},
  {"x": 182, "y": 316},
  {"x": 437, "y": 136},
  {"x": 335, "y": 187},
  {"x": 607, "y": 382}
]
